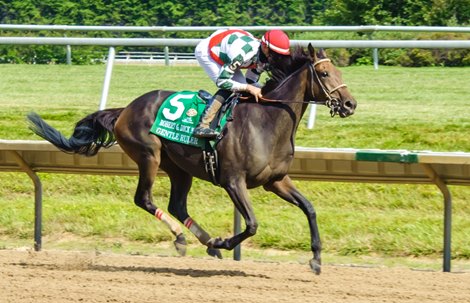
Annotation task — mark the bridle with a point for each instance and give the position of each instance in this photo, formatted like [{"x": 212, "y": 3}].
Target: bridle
[{"x": 333, "y": 103}]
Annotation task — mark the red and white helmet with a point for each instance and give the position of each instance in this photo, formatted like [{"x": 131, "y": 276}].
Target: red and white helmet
[{"x": 277, "y": 41}]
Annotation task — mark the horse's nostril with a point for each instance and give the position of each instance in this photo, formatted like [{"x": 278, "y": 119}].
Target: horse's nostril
[{"x": 350, "y": 104}]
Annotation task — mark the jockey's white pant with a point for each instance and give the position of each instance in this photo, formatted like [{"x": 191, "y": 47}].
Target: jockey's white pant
[{"x": 209, "y": 65}]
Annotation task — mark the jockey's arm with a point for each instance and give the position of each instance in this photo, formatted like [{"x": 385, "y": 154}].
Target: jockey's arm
[
  {"x": 252, "y": 76},
  {"x": 225, "y": 81}
]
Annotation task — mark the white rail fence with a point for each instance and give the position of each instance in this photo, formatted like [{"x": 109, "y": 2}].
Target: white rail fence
[
  {"x": 165, "y": 57},
  {"x": 113, "y": 42},
  {"x": 368, "y": 29},
  {"x": 162, "y": 42}
]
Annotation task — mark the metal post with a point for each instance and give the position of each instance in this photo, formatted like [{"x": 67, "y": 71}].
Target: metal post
[
  {"x": 68, "y": 52},
  {"x": 69, "y": 55},
  {"x": 107, "y": 77},
  {"x": 37, "y": 213},
  {"x": 312, "y": 115},
  {"x": 447, "y": 214},
  {"x": 447, "y": 230},
  {"x": 37, "y": 199},
  {"x": 237, "y": 251},
  {"x": 375, "y": 55},
  {"x": 167, "y": 55}
]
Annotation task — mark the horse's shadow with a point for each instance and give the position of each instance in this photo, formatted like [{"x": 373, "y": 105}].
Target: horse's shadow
[
  {"x": 174, "y": 271},
  {"x": 143, "y": 269}
]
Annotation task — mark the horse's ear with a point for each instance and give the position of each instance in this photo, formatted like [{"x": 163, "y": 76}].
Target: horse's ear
[
  {"x": 311, "y": 50},
  {"x": 321, "y": 54},
  {"x": 316, "y": 55}
]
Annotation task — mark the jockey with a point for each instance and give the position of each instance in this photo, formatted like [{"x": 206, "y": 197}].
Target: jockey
[{"x": 223, "y": 55}]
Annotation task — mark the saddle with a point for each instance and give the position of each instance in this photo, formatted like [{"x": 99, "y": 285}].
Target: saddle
[{"x": 180, "y": 113}]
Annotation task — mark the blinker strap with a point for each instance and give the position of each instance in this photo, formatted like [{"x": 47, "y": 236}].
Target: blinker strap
[{"x": 320, "y": 61}]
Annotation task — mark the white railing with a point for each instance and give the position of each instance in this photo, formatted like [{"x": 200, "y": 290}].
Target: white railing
[
  {"x": 112, "y": 42},
  {"x": 193, "y": 42},
  {"x": 368, "y": 29},
  {"x": 167, "y": 58},
  {"x": 163, "y": 42}
]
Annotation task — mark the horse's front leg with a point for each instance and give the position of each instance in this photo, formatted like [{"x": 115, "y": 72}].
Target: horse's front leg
[
  {"x": 286, "y": 190},
  {"x": 239, "y": 195}
]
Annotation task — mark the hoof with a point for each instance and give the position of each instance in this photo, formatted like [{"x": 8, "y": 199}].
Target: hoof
[
  {"x": 180, "y": 248},
  {"x": 214, "y": 242},
  {"x": 214, "y": 252},
  {"x": 180, "y": 245},
  {"x": 315, "y": 266}
]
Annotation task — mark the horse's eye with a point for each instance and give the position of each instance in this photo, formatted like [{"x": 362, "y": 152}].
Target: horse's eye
[{"x": 324, "y": 74}]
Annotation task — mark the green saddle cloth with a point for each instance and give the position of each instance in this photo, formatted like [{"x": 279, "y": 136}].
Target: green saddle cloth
[{"x": 177, "y": 117}]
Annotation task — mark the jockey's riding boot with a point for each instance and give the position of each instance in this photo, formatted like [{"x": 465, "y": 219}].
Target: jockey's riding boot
[{"x": 203, "y": 129}]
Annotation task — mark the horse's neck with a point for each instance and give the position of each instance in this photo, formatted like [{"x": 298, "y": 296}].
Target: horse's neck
[
  {"x": 293, "y": 91},
  {"x": 286, "y": 116}
]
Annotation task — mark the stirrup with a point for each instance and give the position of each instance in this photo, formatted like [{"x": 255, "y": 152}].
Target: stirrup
[{"x": 203, "y": 132}]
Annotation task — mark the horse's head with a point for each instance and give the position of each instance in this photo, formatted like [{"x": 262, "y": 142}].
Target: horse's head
[{"x": 330, "y": 87}]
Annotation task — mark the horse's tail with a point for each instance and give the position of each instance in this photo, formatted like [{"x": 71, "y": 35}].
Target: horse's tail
[{"x": 90, "y": 134}]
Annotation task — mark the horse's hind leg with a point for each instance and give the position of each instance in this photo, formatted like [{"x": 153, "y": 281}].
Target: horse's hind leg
[
  {"x": 131, "y": 132},
  {"x": 146, "y": 153},
  {"x": 180, "y": 185},
  {"x": 148, "y": 168},
  {"x": 286, "y": 190}
]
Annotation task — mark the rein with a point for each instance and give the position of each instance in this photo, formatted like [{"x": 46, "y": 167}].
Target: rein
[{"x": 331, "y": 102}]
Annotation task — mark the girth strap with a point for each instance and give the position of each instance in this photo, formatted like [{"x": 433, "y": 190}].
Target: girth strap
[{"x": 211, "y": 163}]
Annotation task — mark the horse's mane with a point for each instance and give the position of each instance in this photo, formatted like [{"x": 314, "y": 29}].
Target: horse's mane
[{"x": 283, "y": 66}]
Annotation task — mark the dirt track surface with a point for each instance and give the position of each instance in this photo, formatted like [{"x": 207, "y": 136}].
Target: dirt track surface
[{"x": 63, "y": 276}]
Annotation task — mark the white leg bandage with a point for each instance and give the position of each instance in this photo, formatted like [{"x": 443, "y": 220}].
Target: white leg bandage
[{"x": 171, "y": 223}]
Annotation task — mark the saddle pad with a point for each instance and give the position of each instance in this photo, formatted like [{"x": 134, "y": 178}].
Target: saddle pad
[{"x": 178, "y": 116}]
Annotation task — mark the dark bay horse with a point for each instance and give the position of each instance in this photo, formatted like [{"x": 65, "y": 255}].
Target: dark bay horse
[{"x": 256, "y": 149}]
